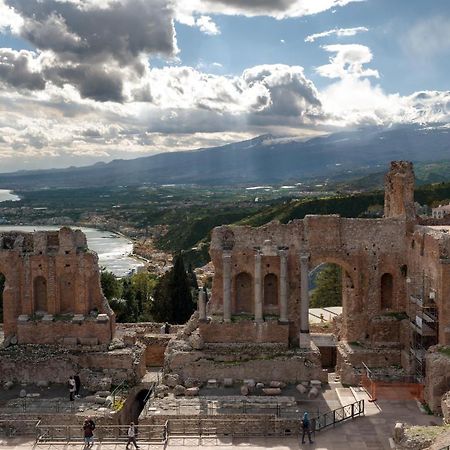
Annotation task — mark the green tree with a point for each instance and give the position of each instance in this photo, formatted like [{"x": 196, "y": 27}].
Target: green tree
[
  {"x": 143, "y": 284},
  {"x": 328, "y": 290},
  {"x": 131, "y": 304},
  {"x": 111, "y": 285},
  {"x": 173, "y": 298}
]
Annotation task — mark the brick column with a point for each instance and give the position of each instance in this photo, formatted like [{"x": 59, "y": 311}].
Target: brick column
[
  {"x": 226, "y": 275},
  {"x": 201, "y": 305},
  {"x": 283, "y": 286},
  {"x": 304, "y": 305},
  {"x": 258, "y": 288}
]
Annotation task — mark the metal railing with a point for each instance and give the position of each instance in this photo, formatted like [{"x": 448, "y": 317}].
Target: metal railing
[
  {"x": 265, "y": 425},
  {"x": 331, "y": 418},
  {"x": 13, "y": 427},
  {"x": 151, "y": 434}
]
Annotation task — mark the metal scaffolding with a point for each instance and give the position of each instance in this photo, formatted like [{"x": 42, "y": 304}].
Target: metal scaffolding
[{"x": 423, "y": 319}]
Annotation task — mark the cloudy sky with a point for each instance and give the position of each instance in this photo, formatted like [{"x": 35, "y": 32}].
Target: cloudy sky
[{"x": 92, "y": 80}]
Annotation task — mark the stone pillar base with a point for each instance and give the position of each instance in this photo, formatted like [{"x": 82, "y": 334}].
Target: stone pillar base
[{"x": 304, "y": 340}]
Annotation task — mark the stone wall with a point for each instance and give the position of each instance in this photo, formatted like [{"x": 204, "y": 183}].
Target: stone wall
[
  {"x": 155, "y": 347},
  {"x": 437, "y": 380},
  {"x": 88, "y": 332},
  {"x": 245, "y": 331},
  {"x": 34, "y": 363}
]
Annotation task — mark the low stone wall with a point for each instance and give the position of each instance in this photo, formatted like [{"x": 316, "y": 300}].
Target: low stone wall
[
  {"x": 89, "y": 332},
  {"x": 34, "y": 363},
  {"x": 260, "y": 362},
  {"x": 437, "y": 380},
  {"x": 350, "y": 358},
  {"x": 245, "y": 331}
]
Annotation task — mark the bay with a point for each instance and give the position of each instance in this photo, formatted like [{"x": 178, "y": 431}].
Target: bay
[
  {"x": 113, "y": 249},
  {"x": 7, "y": 195}
]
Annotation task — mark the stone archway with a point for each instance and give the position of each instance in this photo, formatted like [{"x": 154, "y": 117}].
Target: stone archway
[{"x": 244, "y": 293}]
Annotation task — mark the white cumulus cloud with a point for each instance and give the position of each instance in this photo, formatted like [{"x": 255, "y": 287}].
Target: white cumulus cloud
[{"x": 347, "y": 61}]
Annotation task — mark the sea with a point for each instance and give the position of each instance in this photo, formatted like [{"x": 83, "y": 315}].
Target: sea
[{"x": 113, "y": 249}]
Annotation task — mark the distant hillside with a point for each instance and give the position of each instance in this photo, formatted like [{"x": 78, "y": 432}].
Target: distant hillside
[{"x": 261, "y": 160}]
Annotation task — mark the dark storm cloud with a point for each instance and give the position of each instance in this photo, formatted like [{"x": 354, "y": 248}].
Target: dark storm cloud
[
  {"x": 291, "y": 93},
  {"x": 15, "y": 70},
  {"x": 80, "y": 32},
  {"x": 91, "y": 81}
]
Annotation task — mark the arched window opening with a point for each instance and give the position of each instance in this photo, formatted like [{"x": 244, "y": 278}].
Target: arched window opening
[
  {"x": 244, "y": 294},
  {"x": 40, "y": 294},
  {"x": 387, "y": 288},
  {"x": 270, "y": 290}
]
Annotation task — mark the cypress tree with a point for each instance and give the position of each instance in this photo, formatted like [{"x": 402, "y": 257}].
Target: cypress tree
[{"x": 173, "y": 298}]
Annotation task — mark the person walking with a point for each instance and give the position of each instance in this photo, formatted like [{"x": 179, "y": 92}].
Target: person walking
[
  {"x": 77, "y": 385},
  {"x": 72, "y": 388},
  {"x": 88, "y": 430},
  {"x": 132, "y": 435},
  {"x": 306, "y": 428}
]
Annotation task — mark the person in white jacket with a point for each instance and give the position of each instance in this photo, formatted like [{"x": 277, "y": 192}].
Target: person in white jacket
[{"x": 132, "y": 435}]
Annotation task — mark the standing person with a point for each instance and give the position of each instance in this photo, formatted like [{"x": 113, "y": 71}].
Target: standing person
[
  {"x": 88, "y": 430},
  {"x": 77, "y": 385},
  {"x": 72, "y": 388},
  {"x": 132, "y": 435},
  {"x": 306, "y": 428}
]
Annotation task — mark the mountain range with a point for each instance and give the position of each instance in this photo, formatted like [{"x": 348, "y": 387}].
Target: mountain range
[{"x": 264, "y": 159}]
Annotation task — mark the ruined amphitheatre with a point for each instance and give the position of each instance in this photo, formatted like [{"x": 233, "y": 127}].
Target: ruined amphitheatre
[{"x": 255, "y": 327}]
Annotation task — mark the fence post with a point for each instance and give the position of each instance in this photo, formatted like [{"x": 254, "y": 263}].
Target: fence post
[
  {"x": 353, "y": 410},
  {"x": 334, "y": 418}
]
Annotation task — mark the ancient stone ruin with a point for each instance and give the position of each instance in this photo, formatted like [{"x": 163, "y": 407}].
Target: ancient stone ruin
[
  {"x": 395, "y": 289},
  {"x": 52, "y": 291}
]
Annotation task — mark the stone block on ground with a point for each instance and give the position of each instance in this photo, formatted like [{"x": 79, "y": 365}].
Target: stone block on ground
[
  {"x": 22, "y": 393},
  {"x": 259, "y": 386},
  {"x": 272, "y": 391},
  {"x": 42, "y": 383},
  {"x": 244, "y": 390},
  {"x": 300, "y": 388},
  {"x": 89, "y": 398},
  {"x": 179, "y": 390},
  {"x": 191, "y": 392},
  {"x": 102, "y": 318},
  {"x": 69, "y": 341},
  {"x": 313, "y": 393},
  {"x": 212, "y": 383},
  {"x": 162, "y": 389},
  {"x": 8, "y": 385},
  {"x": 316, "y": 383}
]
